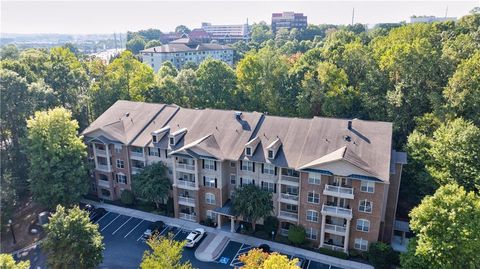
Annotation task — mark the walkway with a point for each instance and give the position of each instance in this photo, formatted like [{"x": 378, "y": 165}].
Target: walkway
[{"x": 232, "y": 236}]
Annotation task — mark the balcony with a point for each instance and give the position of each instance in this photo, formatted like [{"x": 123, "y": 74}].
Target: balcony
[
  {"x": 335, "y": 229},
  {"x": 103, "y": 167},
  {"x": 333, "y": 247},
  {"x": 189, "y": 217},
  {"x": 103, "y": 183},
  {"x": 337, "y": 191},
  {"x": 100, "y": 152},
  {"x": 289, "y": 180},
  {"x": 288, "y": 215},
  {"x": 185, "y": 167},
  {"x": 288, "y": 198},
  {"x": 188, "y": 201},
  {"x": 185, "y": 184},
  {"x": 136, "y": 170},
  {"x": 137, "y": 155},
  {"x": 337, "y": 211}
]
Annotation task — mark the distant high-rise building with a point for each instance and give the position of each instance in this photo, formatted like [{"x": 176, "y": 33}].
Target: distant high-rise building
[
  {"x": 430, "y": 19},
  {"x": 288, "y": 20},
  {"x": 227, "y": 33}
]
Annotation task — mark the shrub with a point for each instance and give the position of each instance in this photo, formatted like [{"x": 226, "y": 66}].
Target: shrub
[
  {"x": 329, "y": 252},
  {"x": 296, "y": 234},
  {"x": 270, "y": 224},
  {"x": 380, "y": 255},
  {"x": 127, "y": 197}
]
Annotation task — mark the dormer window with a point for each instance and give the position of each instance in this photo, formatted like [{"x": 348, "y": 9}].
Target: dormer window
[
  {"x": 171, "y": 141},
  {"x": 248, "y": 151},
  {"x": 270, "y": 154},
  {"x": 154, "y": 138}
]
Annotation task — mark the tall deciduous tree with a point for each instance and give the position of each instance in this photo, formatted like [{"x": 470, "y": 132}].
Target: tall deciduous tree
[
  {"x": 446, "y": 226},
  {"x": 7, "y": 262},
  {"x": 257, "y": 259},
  {"x": 165, "y": 253},
  {"x": 57, "y": 155},
  {"x": 252, "y": 203},
  {"x": 152, "y": 183},
  {"x": 216, "y": 84},
  {"x": 136, "y": 44},
  {"x": 72, "y": 241}
]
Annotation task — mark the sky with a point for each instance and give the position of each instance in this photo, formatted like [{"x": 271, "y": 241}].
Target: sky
[{"x": 101, "y": 17}]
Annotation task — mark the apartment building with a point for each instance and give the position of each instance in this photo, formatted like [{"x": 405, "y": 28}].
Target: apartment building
[
  {"x": 338, "y": 178},
  {"x": 184, "y": 50},
  {"x": 227, "y": 33},
  {"x": 430, "y": 19},
  {"x": 288, "y": 20}
]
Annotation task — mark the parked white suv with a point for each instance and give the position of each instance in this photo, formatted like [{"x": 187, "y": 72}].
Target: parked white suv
[{"x": 194, "y": 237}]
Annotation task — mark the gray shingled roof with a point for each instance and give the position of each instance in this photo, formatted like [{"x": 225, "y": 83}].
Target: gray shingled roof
[{"x": 304, "y": 142}]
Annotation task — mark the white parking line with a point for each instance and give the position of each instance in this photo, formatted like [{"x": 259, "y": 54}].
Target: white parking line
[
  {"x": 164, "y": 229},
  {"x": 308, "y": 264},
  {"x": 235, "y": 257},
  {"x": 110, "y": 223},
  {"x": 102, "y": 217},
  {"x": 179, "y": 230},
  {"x": 122, "y": 225},
  {"x": 133, "y": 229}
]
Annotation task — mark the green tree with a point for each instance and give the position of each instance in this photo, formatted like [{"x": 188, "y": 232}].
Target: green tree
[
  {"x": 380, "y": 255},
  {"x": 261, "y": 32},
  {"x": 136, "y": 44},
  {"x": 167, "y": 69},
  {"x": 152, "y": 183},
  {"x": 252, "y": 203},
  {"x": 127, "y": 197},
  {"x": 72, "y": 241},
  {"x": 153, "y": 43},
  {"x": 216, "y": 84},
  {"x": 296, "y": 234},
  {"x": 182, "y": 29},
  {"x": 165, "y": 253},
  {"x": 412, "y": 260},
  {"x": 446, "y": 226},
  {"x": 57, "y": 155},
  {"x": 257, "y": 259},
  {"x": 454, "y": 152},
  {"x": 462, "y": 93},
  {"x": 9, "y": 52},
  {"x": 7, "y": 262},
  {"x": 187, "y": 84}
]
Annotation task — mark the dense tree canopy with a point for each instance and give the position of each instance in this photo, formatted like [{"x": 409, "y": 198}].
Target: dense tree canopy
[
  {"x": 252, "y": 203},
  {"x": 152, "y": 183},
  {"x": 257, "y": 259},
  {"x": 165, "y": 253}
]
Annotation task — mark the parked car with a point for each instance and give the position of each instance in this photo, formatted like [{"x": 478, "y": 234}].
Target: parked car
[
  {"x": 194, "y": 237},
  {"x": 154, "y": 228},
  {"x": 264, "y": 248},
  {"x": 97, "y": 213},
  {"x": 87, "y": 207},
  {"x": 301, "y": 260}
]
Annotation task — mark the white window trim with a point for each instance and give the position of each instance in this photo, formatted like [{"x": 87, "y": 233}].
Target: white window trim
[
  {"x": 251, "y": 151},
  {"x": 314, "y": 212},
  {"x": 310, "y": 231},
  {"x": 368, "y": 183},
  {"x": 209, "y": 200},
  {"x": 360, "y": 204},
  {"x": 273, "y": 154},
  {"x": 122, "y": 175},
  {"x": 313, "y": 202},
  {"x": 363, "y": 226},
  {"x": 311, "y": 180},
  {"x": 119, "y": 166},
  {"x": 208, "y": 164},
  {"x": 212, "y": 215},
  {"x": 246, "y": 167},
  {"x": 210, "y": 181},
  {"x": 361, "y": 242},
  {"x": 270, "y": 171},
  {"x": 170, "y": 141}
]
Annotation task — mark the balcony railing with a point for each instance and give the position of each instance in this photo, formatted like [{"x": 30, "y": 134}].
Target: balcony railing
[
  {"x": 189, "y": 217},
  {"x": 290, "y": 179},
  {"x": 337, "y": 211},
  {"x": 102, "y": 167},
  {"x": 188, "y": 200},
  {"x": 185, "y": 183},
  {"x": 136, "y": 170},
  {"x": 284, "y": 232},
  {"x": 185, "y": 166},
  {"x": 100, "y": 152},
  {"x": 288, "y": 215},
  {"x": 335, "y": 228},
  {"x": 289, "y": 196},
  {"x": 136, "y": 154},
  {"x": 104, "y": 183},
  {"x": 333, "y": 247},
  {"x": 343, "y": 192}
]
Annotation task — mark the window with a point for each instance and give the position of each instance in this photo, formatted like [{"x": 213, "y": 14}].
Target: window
[
  {"x": 120, "y": 163},
  {"x": 313, "y": 198},
  {"x": 209, "y": 164},
  {"x": 233, "y": 179},
  {"x": 171, "y": 141},
  {"x": 311, "y": 233},
  {"x": 269, "y": 169},
  {"x": 245, "y": 181},
  {"x": 233, "y": 164},
  {"x": 312, "y": 215},
  {"x": 137, "y": 150},
  {"x": 367, "y": 186},
  {"x": 291, "y": 208},
  {"x": 210, "y": 198},
  {"x": 314, "y": 178},
  {"x": 118, "y": 149},
  {"x": 153, "y": 152},
  {"x": 154, "y": 138},
  {"x": 248, "y": 166},
  {"x": 211, "y": 215},
  {"x": 365, "y": 206},
  {"x": 360, "y": 244},
  {"x": 363, "y": 225},
  {"x": 248, "y": 151},
  {"x": 210, "y": 182},
  {"x": 270, "y": 154},
  {"x": 268, "y": 186},
  {"x": 121, "y": 178}
]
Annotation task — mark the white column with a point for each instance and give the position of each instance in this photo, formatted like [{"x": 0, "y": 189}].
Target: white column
[
  {"x": 108, "y": 158},
  {"x": 347, "y": 234},
  {"x": 219, "y": 221},
  {"x": 232, "y": 224},
  {"x": 322, "y": 231},
  {"x": 95, "y": 155},
  {"x": 196, "y": 173},
  {"x": 174, "y": 171}
]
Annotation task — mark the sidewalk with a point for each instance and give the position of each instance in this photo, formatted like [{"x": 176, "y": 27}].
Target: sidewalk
[{"x": 188, "y": 225}]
